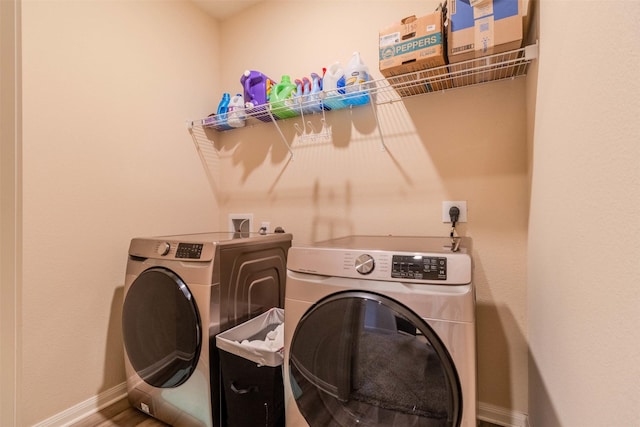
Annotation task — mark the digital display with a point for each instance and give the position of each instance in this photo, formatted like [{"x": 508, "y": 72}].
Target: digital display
[
  {"x": 189, "y": 250},
  {"x": 419, "y": 267}
]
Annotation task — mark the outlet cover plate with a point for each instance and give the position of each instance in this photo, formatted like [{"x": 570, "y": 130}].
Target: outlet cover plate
[
  {"x": 244, "y": 221},
  {"x": 461, "y": 204}
]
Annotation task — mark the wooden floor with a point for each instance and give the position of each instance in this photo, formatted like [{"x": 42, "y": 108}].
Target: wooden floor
[{"x": 121, "y": 414}]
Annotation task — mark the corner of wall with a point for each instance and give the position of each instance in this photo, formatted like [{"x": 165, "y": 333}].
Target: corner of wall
[{"x": 10, "y": 215}]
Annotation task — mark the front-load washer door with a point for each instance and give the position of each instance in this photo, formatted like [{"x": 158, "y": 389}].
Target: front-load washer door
[
  {"x": 161, "y": 328},
  {"x": 360, "y": 358}
]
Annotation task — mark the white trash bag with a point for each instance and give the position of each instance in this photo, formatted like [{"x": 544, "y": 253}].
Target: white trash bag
[{"x": 260, "y": 339}]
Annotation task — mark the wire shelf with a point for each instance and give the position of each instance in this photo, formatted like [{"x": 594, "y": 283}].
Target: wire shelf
[{"x": 490, "y": 68}]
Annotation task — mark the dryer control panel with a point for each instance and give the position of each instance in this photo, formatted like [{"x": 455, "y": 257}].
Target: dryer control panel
[
  {"x": 419, "y": 267},
  {"x": 189, "y": 250}
]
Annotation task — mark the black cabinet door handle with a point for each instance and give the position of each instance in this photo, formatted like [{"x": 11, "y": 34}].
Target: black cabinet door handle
[{"x": 237, "y": 390}]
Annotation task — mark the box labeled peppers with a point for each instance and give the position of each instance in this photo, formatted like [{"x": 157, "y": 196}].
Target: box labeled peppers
[{"x": 414, "y": 44}]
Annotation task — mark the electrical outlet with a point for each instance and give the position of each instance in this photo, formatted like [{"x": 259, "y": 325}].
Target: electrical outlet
[
  {"x": 461, "y": 204},
  {"x": 265, "y": 227},
  {"x": 240, "y": 223}
]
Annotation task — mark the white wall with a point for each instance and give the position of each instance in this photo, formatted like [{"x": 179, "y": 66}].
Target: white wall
[
  {"x": 584, "y": 234},
  {"x": 107, "y": 87}
]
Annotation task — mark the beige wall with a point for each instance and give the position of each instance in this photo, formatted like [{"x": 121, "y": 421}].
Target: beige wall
[
  {"x": 10, "y": 212},
  {"x": 107, "y": 87},
  {"x": 468, "y": 144},
  {"x": 584, "y": 236}
]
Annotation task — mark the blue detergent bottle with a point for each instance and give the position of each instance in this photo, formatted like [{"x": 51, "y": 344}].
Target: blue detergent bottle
[
  {"x": 313, "y": 100},
  {"x": 221, "y": 113},
  {"x": 306, "y": 91},
  {"x": 297, "y": 96},
  {"x": 333, "y": 87}
]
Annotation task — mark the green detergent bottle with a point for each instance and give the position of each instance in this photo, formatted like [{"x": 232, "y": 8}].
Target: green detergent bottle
[{"x": 281, "y": 98}]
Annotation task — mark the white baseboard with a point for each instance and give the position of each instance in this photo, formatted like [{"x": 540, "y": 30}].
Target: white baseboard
[
  {"x": 501, "y": 416},
  {"x": 86, "y": 408}
]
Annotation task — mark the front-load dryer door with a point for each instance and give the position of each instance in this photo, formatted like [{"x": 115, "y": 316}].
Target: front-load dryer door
[
  {"x": 161, "y": 328},
  {"x": 360, "y": 358}
]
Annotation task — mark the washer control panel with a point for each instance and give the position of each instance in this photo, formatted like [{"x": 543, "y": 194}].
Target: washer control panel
[
  {"x": 426, "y": 260},
  {"x": 365, "y": 264},
  {"x": 419, "y": 267}
]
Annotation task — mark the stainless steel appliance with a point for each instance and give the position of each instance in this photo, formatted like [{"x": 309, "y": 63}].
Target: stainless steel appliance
[
  {"x": 180, "y": 291},
  {"x": 380, "y": 331}
]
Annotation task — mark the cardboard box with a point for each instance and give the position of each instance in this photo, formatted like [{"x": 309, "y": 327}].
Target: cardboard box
[
  {"x": 411, "y": 45},
  {"x": 491, "y": 27}
]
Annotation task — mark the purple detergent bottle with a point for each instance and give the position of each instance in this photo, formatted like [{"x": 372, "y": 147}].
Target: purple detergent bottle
[
  {"x": 297, "y": 95},
  {"x": 314, "y": 96},
  {"x": 257, "y": 88}
]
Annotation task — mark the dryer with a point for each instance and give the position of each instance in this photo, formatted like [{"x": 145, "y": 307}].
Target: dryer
[
  {"x": 180, "y": 291},
  {"x": 380, "y": 331}
]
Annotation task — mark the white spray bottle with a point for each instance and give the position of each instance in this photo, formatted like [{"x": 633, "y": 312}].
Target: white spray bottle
[{"x": 236, "y": 115}]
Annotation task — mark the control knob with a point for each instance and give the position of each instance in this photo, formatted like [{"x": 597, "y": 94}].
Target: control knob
[
  {"x": 365, "y": 264},
  {"x": 163, "y": 248}
]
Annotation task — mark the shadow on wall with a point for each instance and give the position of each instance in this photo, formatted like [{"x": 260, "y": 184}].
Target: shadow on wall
[
  {"x": 486, "y": 137},
  {"x": 250, "y": 147},
  {"x": 329, "y": 226},
  {"x": 114, "y": 372},
  {"x": 541, "y": 409}
]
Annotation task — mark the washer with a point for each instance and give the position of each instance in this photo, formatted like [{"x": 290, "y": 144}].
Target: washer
[
  {"x": 380, "y": 331},
  {"x": 180, "y": 291}
]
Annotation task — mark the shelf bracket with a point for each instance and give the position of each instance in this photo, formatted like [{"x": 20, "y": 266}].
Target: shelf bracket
[
  {"x": 308, "y": 133},
  {"x": 383, "y": 147},
  {"x": 531, "y": 52},
  {"x": 284, "y": 139}
]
